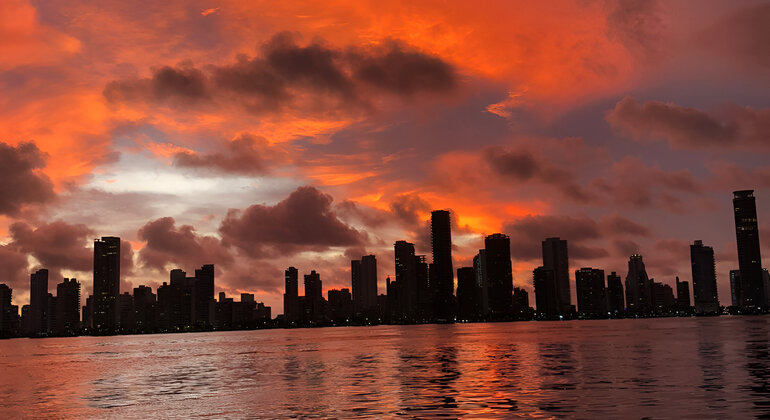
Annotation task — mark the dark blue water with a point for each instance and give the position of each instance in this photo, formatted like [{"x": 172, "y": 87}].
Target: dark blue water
[{"x": 658, "y": 368}]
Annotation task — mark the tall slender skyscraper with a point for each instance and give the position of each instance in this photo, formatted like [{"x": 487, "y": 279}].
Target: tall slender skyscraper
[
  {"x": 749, "y": 256},
  {"x": 406, "y": 277},
  {"x": 6, "y": 323},
  {"x": 591, "y": 296},
  {"x": 482, "y": 280},
  {"x": 38, "y": 301},
  {"x": 314, "y": 295},
  {"x": 499, "y": 275},
  {"x": 615, "y": 297},
  {"x": 68, "y": 306},
  {"x": 683, "y": 294},
  {"x": 441, "y": 241},
  {"x": 291, "y": 295},
  {"x": 546, "y": 299},
  {"x": 106, "y": 284},
  {"x": 704, "y": 278},
  {"x": 638, "y": 288},
  {"x": 363, "y": 281},
  {"x": 204, "y": 295},
  {"x": 555, "y": 258}
]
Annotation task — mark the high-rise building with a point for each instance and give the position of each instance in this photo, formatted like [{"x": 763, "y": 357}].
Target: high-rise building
[
  {"x": 314, "y": 296},
  {"x": 521, "y": 309},
  {"x": 555, "y": 258},
  {"x": 340, "y": 304},
  {"x": 683, "y": 294},
  {"x": 145, "y": 308},
  {"x": 499, "y": 275},
  {"x": 38, "y": 302},
  {"x": 615, "y": 297},
  {"x": 704, "y": 278},
  {"x": 638, "y": 288},
  {"x": 126, "y": 312},
  {"x": 204, "y": 295},
  {"x": 68, "y": 307},
  {"x": 363, "y": 281},
  {"x": 424, "y": 294},
  {"x": 766, "y": 284},
  {"x": 406, "y": 277},
  {"x": 663, "y": 301},
  {"x": 291, "y": 310},
  {"x": 735, "y": 288},
  {"x": 5, "y": 310},
  {"x": 442, "y": 272},
  {"x": 546, "y": 299},
  {"x": 106, "y": 284},
  {"x": 591, "y": 297},
  {"x": 480, "y": 266},
  {"x": 749, "y": 256},
  {"x": 467, "y": 294}
]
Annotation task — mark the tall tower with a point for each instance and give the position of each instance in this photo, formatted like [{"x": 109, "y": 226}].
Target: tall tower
[
  {"x": 704, "y": 278},
  {"x": 106, "y": 283},
  {"x": 38, "y": 301},
  {"x": 204, "y": 295},
  {"x": 314, "y": 295},
  {"x": 291, "y": 295},
  {"x": 443, "y": 289},
  {"x": 369, "y": 281},
  {"x": 555, "y": 258},
  {"x": 638, "y": 288},
  {"x": 591, "y": 293},
  {"x": 406, "y": 276},
  {"x": 68, "y": 306},
  {"x": 499, "y": 274},
  {"x": 752, "y": 294}
]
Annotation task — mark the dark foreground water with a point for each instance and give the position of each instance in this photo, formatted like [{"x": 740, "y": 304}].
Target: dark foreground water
[{"x": 660, "y": 368}]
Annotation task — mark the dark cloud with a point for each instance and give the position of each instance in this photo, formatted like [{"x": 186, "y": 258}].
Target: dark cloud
[
  {"x": 304, "y": 219},
  {"x": 314, "y": 77},
  {"x": 406, "y": 208},
  {"x": 57, "y": 245},
  {"x": 639, "y": 25},
  {"x": 126, "y": 259},
  {"x": 743, "y": 36},
  {"x": 683, "y": 127},
  {"x": 625, "y": 247},
  {"x": 528, "y": 233},
  {"x": 182, "y": 246},
  {"x": 616, "y": 224},
  {"x": 13, "y": 268},
  {"x": 246, "y": 154},
  {"x": 22, "y": 181}
]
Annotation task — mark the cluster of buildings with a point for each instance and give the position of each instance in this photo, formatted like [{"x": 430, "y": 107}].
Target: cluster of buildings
[
  {"x": 421, "y": 291},
  {"x": 184, "y": 303}
]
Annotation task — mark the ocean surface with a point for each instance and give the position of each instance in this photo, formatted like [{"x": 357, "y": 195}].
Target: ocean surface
[{"x": 684, "y": 368}]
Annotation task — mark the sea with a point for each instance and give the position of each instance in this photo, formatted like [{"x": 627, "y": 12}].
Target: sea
[{"x": 680, "y": 368}]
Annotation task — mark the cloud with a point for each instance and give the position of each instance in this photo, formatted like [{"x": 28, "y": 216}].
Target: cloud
[
  {"x": 22, "y": 181},
  {"x": 742, "y": 35},
  {"x": 639, "y": 25},
  {"x": 683, "y": 127},
  {"x": 316, "y": 78},
  {"x": 181, "y": 246},
  {"x": 57, "y": 245},
  {"x": 616, "y": 224},
  {"x": 304, "y": 220},
  {"x": 13, "y": 268},
  {"x": 246, "y": 154},
  {"x": 528, "y": 232}
]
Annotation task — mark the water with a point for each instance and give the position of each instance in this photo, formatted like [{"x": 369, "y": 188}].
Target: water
[{"x": 659, "y": 368}]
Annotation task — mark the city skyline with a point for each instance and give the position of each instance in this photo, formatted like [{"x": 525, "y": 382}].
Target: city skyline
[{"x": 320, "y": 133}]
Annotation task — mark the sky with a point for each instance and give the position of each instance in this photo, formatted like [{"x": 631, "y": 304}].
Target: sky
[{"x": 259, "y": 135}]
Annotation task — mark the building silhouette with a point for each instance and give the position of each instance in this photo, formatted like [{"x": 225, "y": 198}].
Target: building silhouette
[
  {"x": 204, "y": 296},
  {"x": 499, "y": 275},
  {"x": 291, "y": 309},
  {"x": 521, "y": 308},
  {"x": 424, "y": 309},
  {"x": 591, "y": 297},
  {"x": 68, "y": 307},
  {"x": 106, "y": 287},
  {"x": 663, "y": 301},
  {"x": 555, "y": 258},
  {"x": 480, "y": 268},
  {"x": 546, "y": 299},
  {"x": 406, "y": 278},
  {"x": 638, "y": 288},
  {"x": 615, "y": 296},
  {"x": 735, "y": 288},
  {"x": 467, "y": 294},
  {"x": 340, "y": 305},
  {"x": 363, "y": 282},
  {"x": 38, "y": 302},
  {"x": 145, "y": 309},
  {"x": 704, "y": 278},
  {"x": 313, "y": 297},
  {"x": 683, "y": 295},
  {"x": 7, "y": 316},
  {"x": 126, "y": 314},
  {"x": 752, "y": 294},
  {"x": 442, "y": 274}
]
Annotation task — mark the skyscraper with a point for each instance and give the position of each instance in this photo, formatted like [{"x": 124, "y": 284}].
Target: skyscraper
[
  {"x": 406, "y": 277},
  {"x": 204, "y": 295},
  {"x": 68, "y": 306},
  {"x": 5, "y": 310},
  {"x": 499, "y": 275},
  {"x": 555, "y": 258},
  {"x": 424, "y": 294},
  {"x": 735, "y": 287},
  {"x": 291, "y": 310},
  {"x": 443, "y": 274},
  {"x": 467, "y": 294},
  {"x": 638, "y": 288},
  {"x": 749, "y": 256},
  {"x": 615, "y": 297},
  {"x": 314, "y": 296},
  {"x": 145, "y": 309},
  {"x": 38, "y": 301},
  {"x": 683, "y": 294},
  {"x": 106, "y": 284},
  {"x": 521, "y": 309},
  {"x": 546, "y": 299},
  {"x": 591, "y": 297},
  {"x": 480, "y": 267},
  {"x": 704, "y": 278}
]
